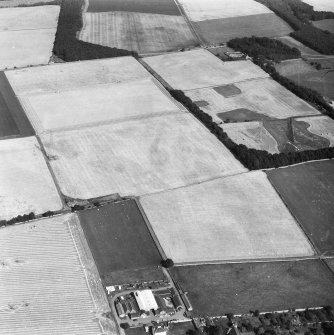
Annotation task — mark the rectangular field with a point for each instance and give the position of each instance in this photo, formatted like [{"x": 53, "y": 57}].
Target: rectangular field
[
  {"x": 233, "y": 218},
  {"x": 65, "y": 76},
  {"x": 97, "y": 104},
  {"x": 119, "y": 240},
  {"x": 140, "y": 32},
  {"x": 215, "y": 31},
  {"x": 165, "y": 7},
  {"x": 199, "y": 10},
  {"x": 311, "y": 202},
  {"x": 267, "y": 286},
  {"x": 265, "y": 98},
  {"x": 136, "y": 157},
  {"x": 200, "y": 68},
  {"x": 48, "y": 281},
  {"x": 26, "y": 184}
]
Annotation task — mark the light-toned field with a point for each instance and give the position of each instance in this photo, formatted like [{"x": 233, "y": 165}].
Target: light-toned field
[
  {"x": 199, "y": 10},
  {"x": 264, "y": 96},
  {"x": 294, "y": 67},
  {"x": 13, "y": 3},
  {"x": 141, "y": 32},
  {"x": 46, "y": 281},
  {"x": 322, "y": 126},
  {"x": 39, "y": 17},
  {"x": 61, "y": 77},
  {"x": 234, "y": 218},
  {"x": 96, "y": 104},
  {"x": 291, "y": 42},
  {"x": 26, "y": 47},
  {"x": 137, "y": 156},
  {"x": 27, "y": 35},
  {"x": 325, "y": 25},
  {"x": 252, "y": 135},
  {"x": 321, "y": 5},
  {"x": 26, "y": 184},
  {"x": 200, "y": 68}
]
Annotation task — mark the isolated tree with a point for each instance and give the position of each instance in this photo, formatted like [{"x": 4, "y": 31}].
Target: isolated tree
[{"x": 167, "y": 263}]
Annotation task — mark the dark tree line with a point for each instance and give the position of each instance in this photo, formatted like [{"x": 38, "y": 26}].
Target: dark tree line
[
  {"x": 298, "y": 15},
  {"x": 261, "y": 59},
  {"x": 251, "y": 158},
  {"x": 68, "y": 47},
  {"x": 18, "y": 219},
  {"x": 264, "y": 47}
]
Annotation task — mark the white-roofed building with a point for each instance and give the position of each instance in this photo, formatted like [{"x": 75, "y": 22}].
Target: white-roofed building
[{"x": 146, "y": 300}]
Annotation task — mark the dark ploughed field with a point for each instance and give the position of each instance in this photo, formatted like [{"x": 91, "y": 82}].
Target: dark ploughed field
[
  {"x": 308, "y": 191},
  {"x": 165, "y": 7},
  {"x": 223, "y": 288},
  {"x": 121, "y": 244}
]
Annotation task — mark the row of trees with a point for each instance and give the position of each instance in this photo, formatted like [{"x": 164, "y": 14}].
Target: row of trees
[
  {"x": 298, "y": 15},
  {"x": 266, "y": 63},
  {"x": 251, "y": 158},
  {"x": 68, "y": 47},
  {"x": 18, "y": 219}
]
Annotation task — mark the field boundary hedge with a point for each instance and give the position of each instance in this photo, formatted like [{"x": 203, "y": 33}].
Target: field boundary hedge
[{"x": 68, "y": 48}]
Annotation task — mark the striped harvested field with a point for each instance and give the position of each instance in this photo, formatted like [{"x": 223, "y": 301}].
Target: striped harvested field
[
  {"x": 46, "y": 281},
  {"x": 200, "y": 68},
  {"x": 234, "y": 218},
  {"x": 140, "y": 32},
  {"x": 262, "y": 96},
  {"x": 26, "y": 184},
  {"x": 137, "y": 156}
]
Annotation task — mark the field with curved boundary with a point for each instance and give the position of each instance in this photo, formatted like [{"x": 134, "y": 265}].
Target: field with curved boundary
[
  {"x": 239, "y": 217},
  {"x": 49, "y": 283},
  {"x": 137, "y": 156},
  {"x": 321, "y": 5},
  {"x": 26, "y": 184}
]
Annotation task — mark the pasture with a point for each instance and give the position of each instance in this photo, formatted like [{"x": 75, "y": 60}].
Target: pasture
[
  {"x": 66, "y": 76},
  {"x": 327, "y": 25},
  {"x": 294, "y": 67},
  {"x": 252, "y": 135},
  {"x": 119, "y": 239},
  {"x": 234, "y": 218},
  {"x": 96, "y": 104},
  {"x": 164, "y": 7},
  {"x": 266, "y": 286},
  {"x": 311, "y": 202},
  {"x": 222, "y": 30},
  {"x": 198, "y": 10},
  {"x": 47, "y": 281},
  {"x": 137, "y": 156},
  {"x": 200, "y": 68},
  {"x": 140, "y": 32},
  {"x": 262, "y": 96},
  {"x": 330, "y": 263},
  {"x": 321, "y": 126},
  {"x": 26, "y": 184},
  {"x": 321, "y": 5},
  {"x": 27, "y": 35}
]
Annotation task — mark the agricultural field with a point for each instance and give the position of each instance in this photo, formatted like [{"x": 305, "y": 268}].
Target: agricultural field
[
  {"x": 321, "y": 5},
  {"x": 26, "y": 184},
  {"x": 219, "y": 21},
  {"x": 137, "y": 156},
  {"x": 326, "y": 25},
  {"x": 268, "y": 286},
  {"x": 294, "y": 67},
  {"x": 291, "y": 42},
  {"x": 311, "y": 203},
  {"x": 14, "y": 3},
  {"x": 63, "y": 77},
  {"x": 234, "y": 218},
  {"x": 27, "y": 35},
  {"x": 119, "y": 240},
  {"x": 330, "y": 263},
  {"x": 141, "y": 32},
  {"x": 49, "y": 283},
  {"x": 253, "y": 135},
  {"x": 13, "y": 121},
  {"x": 96, "y": 104},
  {"x": 200, "y": 68},
  {"x": 250, "y": 100},
  {"x": 164, "y": 7}
]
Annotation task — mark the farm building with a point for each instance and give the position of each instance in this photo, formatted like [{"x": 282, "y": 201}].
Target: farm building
[{"x": 146, "y": 300}]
